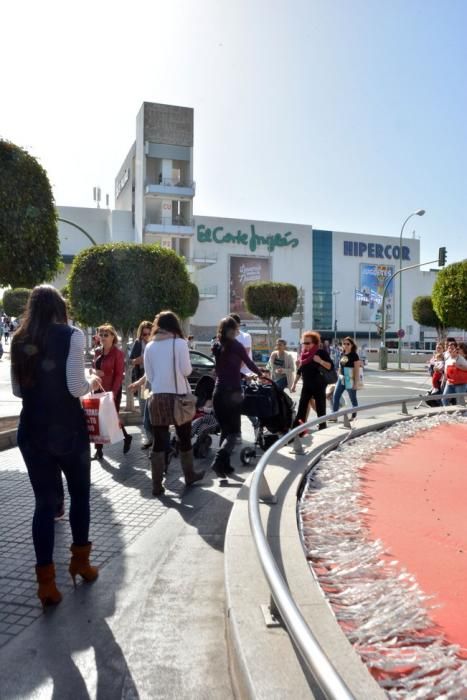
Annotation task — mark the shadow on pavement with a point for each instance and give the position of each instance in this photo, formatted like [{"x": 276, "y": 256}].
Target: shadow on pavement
[{"x": 70, "y": 652}]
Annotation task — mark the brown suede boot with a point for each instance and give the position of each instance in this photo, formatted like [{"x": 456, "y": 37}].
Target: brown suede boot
[
  {"x": 79, "y": 563},
  {"x": 157, "y": 471},
  {"x": 186, "y": 459},
  {"x": 47, "y": 591}
]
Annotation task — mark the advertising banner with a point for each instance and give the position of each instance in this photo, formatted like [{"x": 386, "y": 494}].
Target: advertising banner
[
  {"x": 244, "y": 270},
  {"x": 373, "y": 279}
]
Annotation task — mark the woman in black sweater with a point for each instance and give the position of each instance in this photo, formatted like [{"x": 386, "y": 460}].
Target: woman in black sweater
[
  {"x": 312, "y": 359},
  {"x": 227, "y": 398}
]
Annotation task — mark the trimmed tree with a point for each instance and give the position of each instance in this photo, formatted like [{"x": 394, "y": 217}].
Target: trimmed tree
[
  {"x": 271, "y": 301},
  {"x": 449, "y": 295},
  {"x": 192, "y": 301},
  {"x": 29, "y": 244},
  {"x": 424, "y": 313},
  {"x": 15, "y": 300},
  {"x": 122, "y": 283}
]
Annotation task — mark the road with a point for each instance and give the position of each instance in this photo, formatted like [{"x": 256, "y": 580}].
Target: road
[
  {"x": 9, "y": 405},
  {"x": 379, "y": 386}
]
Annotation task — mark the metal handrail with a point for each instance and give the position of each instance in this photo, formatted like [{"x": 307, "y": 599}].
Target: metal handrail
[{"x": 308, "y": 646}]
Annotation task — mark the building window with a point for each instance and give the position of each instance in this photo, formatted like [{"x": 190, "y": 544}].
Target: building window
[{"x": 322, "y": 279}]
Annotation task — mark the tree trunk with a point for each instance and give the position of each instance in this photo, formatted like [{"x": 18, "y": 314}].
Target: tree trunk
[
  {"x": 268, "y": 329},
  {"x": 130, "y": 399}
]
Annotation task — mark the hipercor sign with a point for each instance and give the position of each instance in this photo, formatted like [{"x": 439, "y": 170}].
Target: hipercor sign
[{"x": 359, "y": 249}]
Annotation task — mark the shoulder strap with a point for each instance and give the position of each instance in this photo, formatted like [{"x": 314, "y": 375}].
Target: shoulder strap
[{"x": 175, "y": 369}]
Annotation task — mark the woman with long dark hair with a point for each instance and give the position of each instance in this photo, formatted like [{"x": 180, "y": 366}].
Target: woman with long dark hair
[
  {"x": 167, "y": 364},
  {"x": 349, "y": 372},
  {"x": 229, "y": 355},
  {"x": 47, "y": 368},
  {"x": 109, "y": 366},
  {"x": 312, "y": 358}
]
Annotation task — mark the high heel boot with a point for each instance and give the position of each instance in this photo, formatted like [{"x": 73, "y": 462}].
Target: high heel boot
[
  {"x": 47, "y": 591},
  {"x": 186, "y": 459},
  {"x": 157, "y": 472},
  {"x": 79, "y": 563}
]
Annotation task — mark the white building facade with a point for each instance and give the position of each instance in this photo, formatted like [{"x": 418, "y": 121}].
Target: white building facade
[{"x": 341, "y": 276}]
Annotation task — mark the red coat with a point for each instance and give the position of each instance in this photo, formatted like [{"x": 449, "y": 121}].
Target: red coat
[
  {"x": 456, "y": 375},
  {"x": 113, "y": 366}
]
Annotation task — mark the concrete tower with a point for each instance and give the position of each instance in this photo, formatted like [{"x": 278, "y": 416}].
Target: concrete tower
[{"x": 159, "y": 167}]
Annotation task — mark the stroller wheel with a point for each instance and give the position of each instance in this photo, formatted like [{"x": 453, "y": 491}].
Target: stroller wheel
[{"x": 247, "y": 455}]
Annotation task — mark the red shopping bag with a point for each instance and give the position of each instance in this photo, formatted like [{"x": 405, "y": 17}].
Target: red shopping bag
[{"x": 102, "y": 418}]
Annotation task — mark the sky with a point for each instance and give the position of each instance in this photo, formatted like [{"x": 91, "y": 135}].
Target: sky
[{"x": 344, "y": 114}]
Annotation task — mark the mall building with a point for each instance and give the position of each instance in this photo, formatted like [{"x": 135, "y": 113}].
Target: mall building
[{"x": 341, "y": 276}]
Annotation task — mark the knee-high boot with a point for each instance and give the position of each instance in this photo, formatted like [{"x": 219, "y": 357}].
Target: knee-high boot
[
  {"x": 157, "y": 470},
  {"x": 186, "y": 459}
]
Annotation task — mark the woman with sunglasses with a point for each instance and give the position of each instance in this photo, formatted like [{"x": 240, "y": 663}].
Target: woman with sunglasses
[
  {"x": 109, "y": 366},
  {"x": 349, "y": 370},
  {"x": 137, "y": 360},
  {"x": 312, "y": 360}
]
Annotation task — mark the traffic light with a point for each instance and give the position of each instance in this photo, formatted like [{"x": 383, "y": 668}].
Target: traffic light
[{"x": 442, "y": 257}]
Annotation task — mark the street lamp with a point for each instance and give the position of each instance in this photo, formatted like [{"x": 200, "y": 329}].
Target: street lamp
[
  {"x": 419, "y": 212},
  {"x": 72, "y": 223},
  {"x": 334, "y": 294}
]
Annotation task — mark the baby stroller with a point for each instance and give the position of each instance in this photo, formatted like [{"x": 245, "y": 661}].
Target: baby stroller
[
  {"x": 274, "y": 410},
  {"x": 204, "y": 423}
]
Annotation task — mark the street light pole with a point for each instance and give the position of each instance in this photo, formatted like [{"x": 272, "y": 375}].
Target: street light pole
[
  {"x": 72, "y": 223},
  {"x": 419, "y": 212}
]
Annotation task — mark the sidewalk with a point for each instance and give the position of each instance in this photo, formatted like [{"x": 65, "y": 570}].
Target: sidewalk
[{"x": 153, "y": 624}]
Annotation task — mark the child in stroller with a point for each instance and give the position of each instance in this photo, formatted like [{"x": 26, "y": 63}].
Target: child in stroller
[
  {"x": 204, "y": 423},
  {"x": 275, "y": 412}
]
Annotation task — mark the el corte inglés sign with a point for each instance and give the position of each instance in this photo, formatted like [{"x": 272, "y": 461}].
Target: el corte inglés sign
[{"x": 249, "y": 238}]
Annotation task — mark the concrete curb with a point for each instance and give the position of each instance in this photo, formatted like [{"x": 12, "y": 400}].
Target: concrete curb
[{"x": 8, "y": 437}]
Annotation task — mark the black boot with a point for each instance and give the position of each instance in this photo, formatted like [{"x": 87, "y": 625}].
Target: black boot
[
  {"x": 127, "y": 443},
  {"x": 221, "y": 464}
]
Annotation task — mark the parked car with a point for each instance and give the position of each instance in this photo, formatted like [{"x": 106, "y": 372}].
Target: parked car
[{"x": 202, "y": 365}]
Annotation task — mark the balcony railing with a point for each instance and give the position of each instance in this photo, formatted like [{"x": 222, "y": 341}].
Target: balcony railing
[
  {"x": 208, "y": 292},
  {"x": 201, "y": 261},
  {"x": 175, "y": 220},
  {"x": 163, "y": 183}
]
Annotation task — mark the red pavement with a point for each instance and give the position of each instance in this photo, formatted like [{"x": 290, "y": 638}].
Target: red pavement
[{"x": 418, "y": 508}]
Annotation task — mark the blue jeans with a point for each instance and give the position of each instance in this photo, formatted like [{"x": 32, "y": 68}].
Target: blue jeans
[
  {"x": 147, "y": 422},
  {"x": 281, "y": 382},
  {"x": 453, "y": 389},
  {"x": 339, "y": 390}
]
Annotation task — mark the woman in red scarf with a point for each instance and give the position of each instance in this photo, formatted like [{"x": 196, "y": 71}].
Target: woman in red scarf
[{"x": 312, "y": 359}]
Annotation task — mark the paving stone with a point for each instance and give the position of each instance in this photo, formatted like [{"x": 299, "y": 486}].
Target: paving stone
[{"x": 122, "y": 508}]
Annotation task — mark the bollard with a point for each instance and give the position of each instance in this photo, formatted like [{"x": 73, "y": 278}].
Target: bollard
[
  {"x": 265, "y": 494},
  {"x": 271, "y": 614},
  {"x": 297, "y": 447},
  {"x": 347, "y": 423}
]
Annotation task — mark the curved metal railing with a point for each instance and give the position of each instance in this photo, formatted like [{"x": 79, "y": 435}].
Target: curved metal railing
[{"x": 308, "y": 646}]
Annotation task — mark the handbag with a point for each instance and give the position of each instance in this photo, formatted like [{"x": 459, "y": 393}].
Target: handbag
[
  {"x": 184, "y": 404},
  {"x": 102, "y": 418},
  {"x": 329, "y": 375}
]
